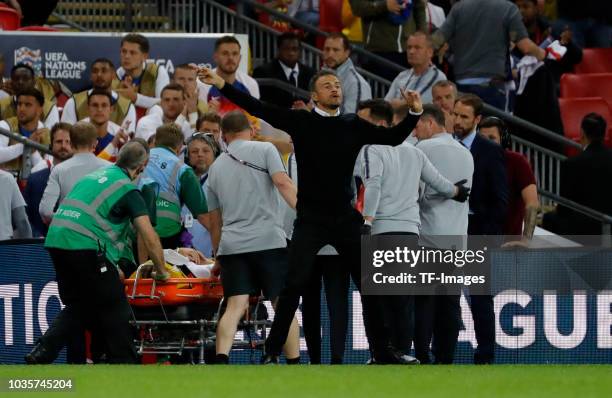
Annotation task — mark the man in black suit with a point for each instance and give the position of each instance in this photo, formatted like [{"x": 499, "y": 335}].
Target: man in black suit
[
  {"x": 285, "y": 68},
  {"x": 488, "y": 205},
  {"x": 585, "y": 179}
]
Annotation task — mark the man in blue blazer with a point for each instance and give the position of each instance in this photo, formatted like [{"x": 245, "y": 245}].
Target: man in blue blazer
[{"x": 488, "y": 206}]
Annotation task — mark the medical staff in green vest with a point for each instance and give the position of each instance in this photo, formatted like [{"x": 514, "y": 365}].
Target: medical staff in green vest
[
  {"x": 176, "y": 185},
  {"x": 84, "y": 241}
]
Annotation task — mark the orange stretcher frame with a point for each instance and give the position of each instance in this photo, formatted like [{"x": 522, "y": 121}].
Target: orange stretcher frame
[{"x": 146, "y": 292}]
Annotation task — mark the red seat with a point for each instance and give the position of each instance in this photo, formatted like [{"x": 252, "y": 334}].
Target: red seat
[
  {"x": 35, "y": 28},
  {"x": 587, "y": 85},
  {"x": 573, "y": 110},
  {"x": 595, "y": 60},
  {"x": 9, "y": 19}
]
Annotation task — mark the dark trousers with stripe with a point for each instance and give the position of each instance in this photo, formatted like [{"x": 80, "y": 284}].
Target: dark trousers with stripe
[
  {"x": 94, "y": 299},
  {"x": 312, "y": 231}
]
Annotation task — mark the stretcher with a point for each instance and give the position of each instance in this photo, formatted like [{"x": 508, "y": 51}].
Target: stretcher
[{"x": 179, "y": 318}]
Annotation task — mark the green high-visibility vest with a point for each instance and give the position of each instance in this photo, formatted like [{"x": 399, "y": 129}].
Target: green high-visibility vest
[{"x": 82, "y": 219}]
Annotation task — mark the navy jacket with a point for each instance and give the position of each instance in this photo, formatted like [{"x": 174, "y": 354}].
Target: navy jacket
[
  {"x": 489, "y": 194},
  {"x": 33, "y": 192}
]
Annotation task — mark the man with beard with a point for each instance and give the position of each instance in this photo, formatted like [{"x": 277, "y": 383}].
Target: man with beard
[
  {"x": 324, "y": 211},
  {"x": 202, "y": 150},
  {"x": 23, "y": 78},
  {"x": 185, "y": 75},
  {"x": 488, "y": 206},
  {"x": 172, "y": 104},
  {"x": 102, "y": 74},
  {"x": 83, "y": 138},
  {"x": 336, "y": 56},
  {"x": 15, "y": 157},
  {"x": 227, "y": 58},
  {"x": 33, "y": 192}
]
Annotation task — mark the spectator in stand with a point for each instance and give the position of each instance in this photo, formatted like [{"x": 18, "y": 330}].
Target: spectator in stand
[
  {"x": 111, "y": 136},
  {"x": 585, "y": 179},
  {"x": 37, "y": 182},
  {"x": 479, "y": 33},
  {"x": 227, "y": 58},
  {"x": 421, "y": 76},
  {"x": 589, "y": 20},
  {"x": 101, "y": 76},
  {"x": 541, "y": 33},
  {"x": 173, "y": 108},
  {"x": 83, "y": 138},
  {"x": 444, "y": 95},
  {"x": 306, "y": 11},
  {"x": 15, "y": 157},
  {"x": 24, "y": 78},
  {"x": 13, "y": 218},
  {"x": 435, "y": 16},
  {"x": 351, "y": 23},
  {"x": 336, "y": 56},
  {"x": 139, "y": 81},
  {"x": 185, "y": 76},
  {"x": 386, "y": 26},
  {"x": 523, "y": 201},
  {"x": 286, "y": 68}
]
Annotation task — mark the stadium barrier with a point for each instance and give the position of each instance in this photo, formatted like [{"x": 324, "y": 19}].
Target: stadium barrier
[{"x": 531, "y": 328}]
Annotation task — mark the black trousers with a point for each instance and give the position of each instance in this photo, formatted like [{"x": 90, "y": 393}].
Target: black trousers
[
  {"x": 398, "y": 314},
  {"x": 437, "y": 317},
  {"x": 335, "y": 276},
  {"x": 312, "y": 231},
  {"x": 484, "y": 328},
  {"x": 94, "y": 299}
]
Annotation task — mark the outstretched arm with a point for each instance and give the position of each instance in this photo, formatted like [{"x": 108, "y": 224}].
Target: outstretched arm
[
  {"x": 371, "y": 134},
  {"x": 281, "y": 118}
]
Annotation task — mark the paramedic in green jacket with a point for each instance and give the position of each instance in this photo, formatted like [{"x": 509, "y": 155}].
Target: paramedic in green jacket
[
  {"x": 85, "y": 243},
  {"x": 176, "y": 185}
]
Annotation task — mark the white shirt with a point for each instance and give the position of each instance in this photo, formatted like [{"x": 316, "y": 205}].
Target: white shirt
[
  {"x": 69, "y": 114},
  {"x": 148, "y": 124},
  {"x": 192, "y": 117},
  {"x": 162, "y": 81},
  {"x": 435, "y": 15},
  {"x": 288, "y": 71},
  {"x": 325, "y": 114},
  {"x": 242, "y": 77},
  {"x": 10, "y": 152}
]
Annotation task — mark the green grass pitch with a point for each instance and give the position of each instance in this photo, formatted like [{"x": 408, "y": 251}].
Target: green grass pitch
[{"x": 176, "y": 381}]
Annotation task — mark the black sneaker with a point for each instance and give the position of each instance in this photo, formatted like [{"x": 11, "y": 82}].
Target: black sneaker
[
  {"x": 38, "y": 356},
  {"x": 269, "y": 359}
]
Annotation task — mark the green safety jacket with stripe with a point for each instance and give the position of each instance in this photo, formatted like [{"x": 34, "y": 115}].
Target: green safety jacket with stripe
[{"x": 82, "y": 219}]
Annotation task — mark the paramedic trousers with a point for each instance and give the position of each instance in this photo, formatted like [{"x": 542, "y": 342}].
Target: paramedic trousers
[{"x": 94, "y": 299}]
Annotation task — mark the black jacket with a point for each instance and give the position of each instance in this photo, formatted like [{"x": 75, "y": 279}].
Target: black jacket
[
  {"x": 489, "y": 194},
  {"x": 325, "y": 149},
  {"x": 277, "y": 96},
  {"x": 587, "y": 179}
]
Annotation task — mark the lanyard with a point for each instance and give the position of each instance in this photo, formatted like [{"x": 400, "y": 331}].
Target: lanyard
[{"x": 248, "y": 164}]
